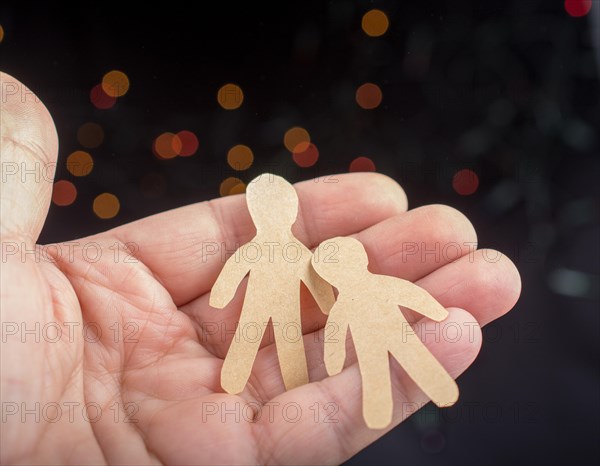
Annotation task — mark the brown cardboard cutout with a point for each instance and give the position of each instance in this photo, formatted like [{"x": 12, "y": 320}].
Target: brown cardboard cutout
[
  {"x": 367, "y": 305},
  {"x": 277, "y": 262}
]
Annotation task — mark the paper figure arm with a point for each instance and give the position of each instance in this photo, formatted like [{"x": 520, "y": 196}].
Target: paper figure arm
[
  {"x": 420, "y": 301},
  {"x": 319, "y": 288},
  {"x": 336, "y": 329},
  {"x": 228, "y": 281}
]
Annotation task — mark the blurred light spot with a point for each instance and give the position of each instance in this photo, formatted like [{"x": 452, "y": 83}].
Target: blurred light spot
[
  {"x": 90, "y": 135},
  {"x": 106, "y": 205},
  {"x": 228, "y": 184},
  {"x": 115, "y": 83},
  {"x": 153, "y": 185},
  {"x": 189, "y": 143},
  {"x": 239, "y": 188},
  {"x": 1, "y": 33},
  {"x": 362, "y": 164},
  {"x": 368, "y": 96},
  {"x": 375, "y": 23},
  {"x": 101, "y": 99},
  {"x": 64, "y": 193},
  {"x": 465, "y": 182},
  {"x": 578, "y": 8},
  {"x": 569, "y": 282},
  {"x": 295, "y": 136},
  {"x": 305, "y": 154},
  {"x": 80, "y": 163},
  {"x": 230, "y": 96},
  {"x": 167, "y": 146},
  {"x": 240, "y": 157}
]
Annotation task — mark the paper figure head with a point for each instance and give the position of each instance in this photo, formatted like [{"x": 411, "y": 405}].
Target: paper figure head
[
  {"x": 272, "y": 202},
  {"x": 338, "y": 260}
]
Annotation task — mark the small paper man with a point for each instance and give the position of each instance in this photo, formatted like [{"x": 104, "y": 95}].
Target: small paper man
[
  {"x": 277, "y": 262},
  {"x": 367, "y": 305}
]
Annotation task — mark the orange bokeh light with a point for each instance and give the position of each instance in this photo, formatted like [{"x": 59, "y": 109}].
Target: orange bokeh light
[
  {"x": 115, "y": 83},
  {"x": 240, "y": 157},
  {"x": 295, "y": 136},
  {"x": 80, "y": 163},
  {"x": 106, "y": 205},
  {"x": 64, "y": 193},
  {"x": 369, "y": 96},
  {"x": 228, "y": 184},
  {"x": 230, "y": 96},
  {"x": 167, "y": 146},
  {"x": 90, "y": 135},
  {"x": 375, "y": 23}
]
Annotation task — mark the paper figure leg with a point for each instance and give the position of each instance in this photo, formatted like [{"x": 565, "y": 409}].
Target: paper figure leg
[
  {"x": 290, "y": 351},
  {"x": 425, "y": 370},
  {"x": 242, "y": 352},
  {"x": 376, "y": 387}
]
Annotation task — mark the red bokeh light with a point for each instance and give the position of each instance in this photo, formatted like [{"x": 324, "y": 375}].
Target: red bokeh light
[
  {"x": 306, "y": 154},
  {"x": 101, "y": 99},
  {"x": 362, "y": 164},
  {"x": 189, "y": 143},
  {"x": 465, "y": 182},
  {"x": 578, "y": 8}
]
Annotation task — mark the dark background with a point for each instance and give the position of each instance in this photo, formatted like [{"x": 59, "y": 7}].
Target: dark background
[{"x": 508, "y": 89}]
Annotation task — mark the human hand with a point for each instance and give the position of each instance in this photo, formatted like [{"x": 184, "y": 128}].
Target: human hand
[{"x": 147, "y": 368}]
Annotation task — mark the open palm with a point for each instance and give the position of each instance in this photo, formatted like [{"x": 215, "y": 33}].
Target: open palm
[{"x": 111, "y": 353}]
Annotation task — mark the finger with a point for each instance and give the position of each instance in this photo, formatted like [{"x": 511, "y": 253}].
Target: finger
[
  {"x": 28, "y": 151},
  {"x": 392, "y": 251},
  {"x": 338, "y": 399},
  {"x": 185, "y": 247},
  {"x": 486, "y": 289}
]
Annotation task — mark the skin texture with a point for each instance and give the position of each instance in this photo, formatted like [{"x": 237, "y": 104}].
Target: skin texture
[{"x": 154, "y": 348}]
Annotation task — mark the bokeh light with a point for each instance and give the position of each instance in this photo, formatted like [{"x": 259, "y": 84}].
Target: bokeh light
[
  {"x": 64, "y": 193},
  {"x": 228, "y": 184},
  {"x": 230, "y": 96},
  {"x": 167, "y": 146},
  {"x": 240, "y": 157},
  {"x": 115, "y": 83},
  {"x": 239, "y": 188},
  {"x": 189, "y": 143},
  {"x": 80, "y": 163},
  {"x": 306, "y": 154},
  {"x": 578, "y": 8},
  {"x": 362, "y": 164},
  {"x": 106, "y": 205},
  {"x": 295, "y": 136},
  {"x": 101, "y": 99},
  {"x": 465, "y": 182},
  {"x": 90, "y": 135},
  {"x": 375, "y": 23},
  {"x": 1, "y": 33},
  {"x": 368, "y": 96}
]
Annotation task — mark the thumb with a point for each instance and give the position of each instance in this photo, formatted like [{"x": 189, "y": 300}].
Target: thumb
[{"x": 28, "y": 151}]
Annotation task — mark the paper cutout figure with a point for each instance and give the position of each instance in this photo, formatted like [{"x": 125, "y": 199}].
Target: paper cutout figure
[
  {"x": 367, "y": 305},
  {"x": 277, "y": 262}
]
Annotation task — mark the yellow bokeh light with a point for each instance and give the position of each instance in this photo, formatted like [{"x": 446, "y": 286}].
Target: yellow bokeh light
[
  {"x": 80, "y": 163},
  {"x": 295, "y": 136},
  {"x": 228, "y": 184},
  {"x": 106, "y": 205},
  {"x": 230, "y": 96},
  {"x": 375, "y": 23},
  {"x": 115, "y": 83},
  {"x": 368, "y": 96},
  {"x": 90, "y": 135},
  {"x": 240, "y": 157}
]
